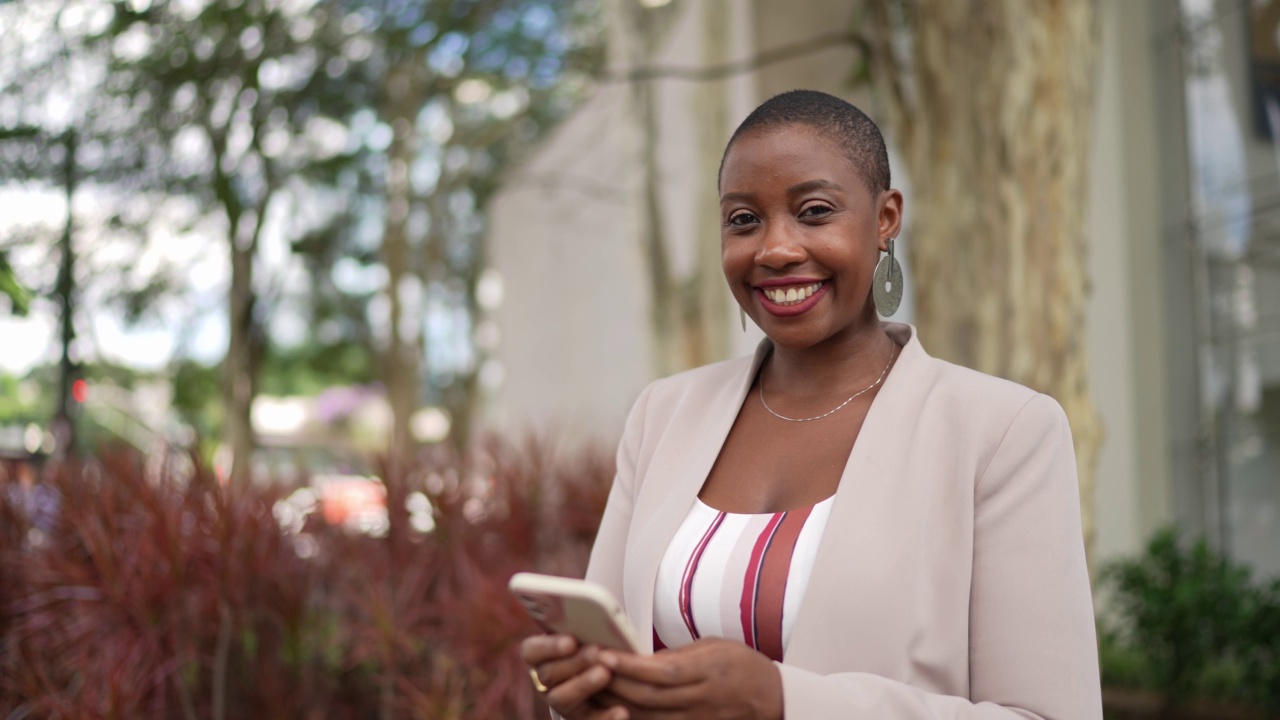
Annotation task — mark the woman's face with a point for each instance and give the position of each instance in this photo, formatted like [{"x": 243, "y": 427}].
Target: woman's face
[{"x": 801, "y": 234}]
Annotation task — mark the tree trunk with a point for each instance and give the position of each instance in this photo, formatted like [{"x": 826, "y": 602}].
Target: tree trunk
[
  {"x": 663, "y": 303},
  {"x": 689, "y": 314},
  {"x": 992, "y": 106},
  {"x": 709, "y": 301},
  {"x": 403, "y": 354},
  {"x": 241, "y": 365}
]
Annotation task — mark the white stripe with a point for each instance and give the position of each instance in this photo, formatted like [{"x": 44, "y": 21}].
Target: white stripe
[
  {"x": 666, "y": 591},
  {"x": 735, "y": 570},
  {"x": 708, "y": 584}
]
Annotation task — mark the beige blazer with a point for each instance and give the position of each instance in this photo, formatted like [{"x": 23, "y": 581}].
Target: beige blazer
[{"x": 950, "y": 581}]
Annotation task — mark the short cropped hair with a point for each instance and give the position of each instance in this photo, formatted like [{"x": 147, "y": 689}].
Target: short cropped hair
[{"x": 840, "y": 121}]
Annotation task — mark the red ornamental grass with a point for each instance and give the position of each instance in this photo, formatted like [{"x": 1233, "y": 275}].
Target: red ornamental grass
[{"x": 160, "y": 593}]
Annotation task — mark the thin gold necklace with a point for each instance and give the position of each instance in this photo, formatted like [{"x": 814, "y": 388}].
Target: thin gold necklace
[{"x": 892, "y": 354}]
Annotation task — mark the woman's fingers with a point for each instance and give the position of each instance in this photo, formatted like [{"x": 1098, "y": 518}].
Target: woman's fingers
[
  {"x": 638, "y": 694},
  {"x": 573, "y": 696},
  {"x": 554, "y": 672},
  {"x": 667, "y": 668},
  {"x": 572, "y": 675},
  {"x": 557, "y": 658},
  {"x": 537, "y": 649}
]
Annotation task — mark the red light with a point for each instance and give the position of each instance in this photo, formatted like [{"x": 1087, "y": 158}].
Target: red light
[{"x": 80, "y": 391}]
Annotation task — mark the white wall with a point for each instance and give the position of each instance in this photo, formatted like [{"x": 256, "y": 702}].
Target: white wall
[{"x": 1110, "y": 315}]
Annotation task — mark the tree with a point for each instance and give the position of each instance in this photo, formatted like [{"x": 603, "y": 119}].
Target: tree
[
  {"x": 992, "y": 107},
  {"x": 461, "y": 86},
  {"x": 334, "y": 117},
  {"x": 230, "y": 104},
  {"x": 688, "y": 312}
]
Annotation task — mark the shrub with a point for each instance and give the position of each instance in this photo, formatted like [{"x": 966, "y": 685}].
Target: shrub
[
  {"x": 164, "y": 594},
  {"x": 1189, "y": 623}
]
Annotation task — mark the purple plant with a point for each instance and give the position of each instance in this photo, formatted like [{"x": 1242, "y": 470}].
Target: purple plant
[{"x": 167, "y": 595}]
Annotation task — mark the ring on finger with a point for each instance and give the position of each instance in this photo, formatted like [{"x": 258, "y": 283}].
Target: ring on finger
[{"x": 537, "y": 681}]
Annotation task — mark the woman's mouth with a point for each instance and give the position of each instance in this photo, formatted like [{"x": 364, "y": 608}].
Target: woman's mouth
[
  {"x": 787, "y": 300},
  {"x": 792, "y": 295}
]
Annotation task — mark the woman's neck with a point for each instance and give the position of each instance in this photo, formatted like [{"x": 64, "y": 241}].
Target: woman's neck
[{"x": 836, "y": 367}]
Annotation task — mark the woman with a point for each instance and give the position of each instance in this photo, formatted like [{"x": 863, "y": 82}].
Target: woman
[{"x": 841, "y": 526}]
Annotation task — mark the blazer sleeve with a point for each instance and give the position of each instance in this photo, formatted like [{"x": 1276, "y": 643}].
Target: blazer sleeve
[
  {"x": 1032, "y": 643},
  {"x": 605, "y": 565},
  {"x": 607, "y": 553}
]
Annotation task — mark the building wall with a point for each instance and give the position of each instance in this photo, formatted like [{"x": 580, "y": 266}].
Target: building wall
[
  {"x": 1237, "y": 170},
  {"x": 1110, "y": 317},
  {"x": 574, "y": 301}
]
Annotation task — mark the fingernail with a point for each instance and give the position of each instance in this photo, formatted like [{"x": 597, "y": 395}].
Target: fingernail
[
  {"x": 599, "y": 674},
  {"x": 564, "y": 644},
  {"x": 609, "y": 660}
]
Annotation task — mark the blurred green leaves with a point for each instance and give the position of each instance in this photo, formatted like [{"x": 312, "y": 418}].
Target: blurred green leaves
[
  {"x": 1189, "y": 623},
  {"x": 19, "y": 296},
  {"x": 249, "y": 126}
]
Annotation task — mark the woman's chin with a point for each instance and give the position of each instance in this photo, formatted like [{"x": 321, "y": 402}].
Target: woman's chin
[{"x": 814, "y": 335}]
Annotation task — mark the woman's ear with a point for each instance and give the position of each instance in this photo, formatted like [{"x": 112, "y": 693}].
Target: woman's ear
[{"x": 889, "y": 206}]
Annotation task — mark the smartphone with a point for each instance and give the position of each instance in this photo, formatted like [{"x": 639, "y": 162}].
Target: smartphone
[{"x": 574, "y": 607}]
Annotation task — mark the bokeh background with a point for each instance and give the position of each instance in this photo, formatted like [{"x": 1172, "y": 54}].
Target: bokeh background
[{"x": 319, "y": 318}]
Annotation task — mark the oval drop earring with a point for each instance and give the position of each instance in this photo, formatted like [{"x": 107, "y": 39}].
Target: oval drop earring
[{"x": 887, "y": 284}]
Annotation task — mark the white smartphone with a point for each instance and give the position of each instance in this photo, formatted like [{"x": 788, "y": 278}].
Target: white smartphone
[{"x": 574, "y": 607}]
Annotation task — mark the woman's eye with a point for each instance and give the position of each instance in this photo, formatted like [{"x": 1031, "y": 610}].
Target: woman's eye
[
  {"x": 815, "y": 211},
  {"x": 741, "y": 219}
]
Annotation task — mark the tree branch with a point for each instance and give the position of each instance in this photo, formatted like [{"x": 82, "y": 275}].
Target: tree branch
[
  {"x": 755, "y": 62},
  {"x": 888, "y": 72}
]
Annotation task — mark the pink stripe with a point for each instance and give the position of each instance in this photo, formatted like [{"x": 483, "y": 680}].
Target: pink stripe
[
  {"x": 747, "y": 606},
  {"x": 686, "y": 582},
  {"x": 775, "y": 568}
]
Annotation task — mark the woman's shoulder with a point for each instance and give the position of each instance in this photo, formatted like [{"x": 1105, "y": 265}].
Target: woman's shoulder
[
  {"x": 967, "y": 385},
  {"x": 986, "y": 403}
]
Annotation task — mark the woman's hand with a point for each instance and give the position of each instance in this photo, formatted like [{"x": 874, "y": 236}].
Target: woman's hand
[
  {"x": 711, "y": 678},
  {"x": 572, "y": 674}
]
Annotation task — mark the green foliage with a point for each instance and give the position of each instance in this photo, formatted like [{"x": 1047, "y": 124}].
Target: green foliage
[
  {"x": 311, "y": 368},
  {"x": 19, "y": 296},
  {"x": 19, "y": 404},
  {"x": 1189, "y": 623},
  {"x": 199, "y": 119},
  {"x": 197, "y": 397},
  {"x": 1260, "y": 653}
]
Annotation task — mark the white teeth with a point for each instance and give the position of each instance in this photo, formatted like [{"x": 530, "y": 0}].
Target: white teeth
[{"x": 792, "y": 295}]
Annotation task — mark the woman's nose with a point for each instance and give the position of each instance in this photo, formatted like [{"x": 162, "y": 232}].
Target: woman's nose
[{"x": 779, "y": 247}]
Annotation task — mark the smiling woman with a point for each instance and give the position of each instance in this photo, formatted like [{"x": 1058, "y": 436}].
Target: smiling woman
[{"x": 877, "y": 534}]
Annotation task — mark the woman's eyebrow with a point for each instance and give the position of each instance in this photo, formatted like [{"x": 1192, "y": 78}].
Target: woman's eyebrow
[
  {"x": 737, "y": 197},
  {"x": 797, "y": 189},
  {"x": 808, "y": 185}
]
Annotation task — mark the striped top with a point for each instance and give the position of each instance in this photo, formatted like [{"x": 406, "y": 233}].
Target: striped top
[{"x": 737, "y": 576}]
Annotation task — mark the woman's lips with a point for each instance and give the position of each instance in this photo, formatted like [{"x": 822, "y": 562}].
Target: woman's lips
[{"x": 773, "y": 308}]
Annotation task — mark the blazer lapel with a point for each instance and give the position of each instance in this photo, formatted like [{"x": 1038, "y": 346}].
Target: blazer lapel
[
  {"x": 850, "y": 557},
  {"x": 681, "y": 463}
]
